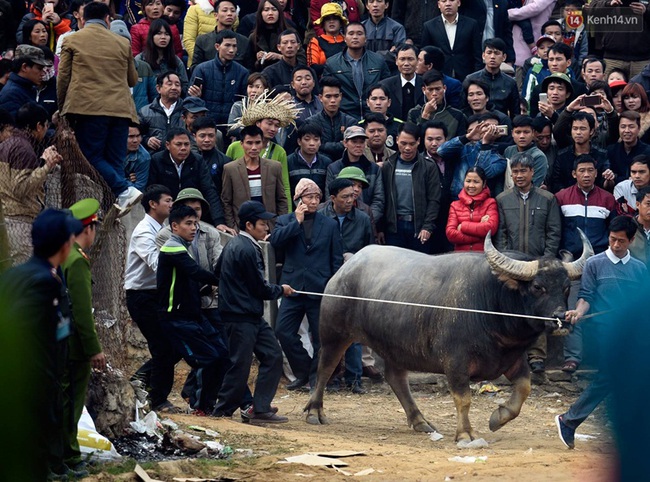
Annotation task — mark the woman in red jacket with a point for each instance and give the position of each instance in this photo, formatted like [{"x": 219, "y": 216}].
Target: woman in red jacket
[
  {"x": 152, "y": 9},
  {"x": 53, "y": 15},
  {"x": 473, "y": 215}
]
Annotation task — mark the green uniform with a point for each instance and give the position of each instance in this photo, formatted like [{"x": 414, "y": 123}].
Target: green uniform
[
  {"x": 83, "y": 344},
  {"x": 272, "y": 151}
]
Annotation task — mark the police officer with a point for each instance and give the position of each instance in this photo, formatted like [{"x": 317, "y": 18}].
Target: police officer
[
  {"x": 84, "y": 349},
  {"x": 34, "y": 325}
]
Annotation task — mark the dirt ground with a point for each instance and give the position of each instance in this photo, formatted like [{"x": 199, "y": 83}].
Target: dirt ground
[{"x": 525, "y": 449}]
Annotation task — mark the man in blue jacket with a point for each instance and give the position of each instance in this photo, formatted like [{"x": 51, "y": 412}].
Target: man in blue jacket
[
  {"x": 313, "y": 253},
  {"x": 223, "y": 80},
  {"x": 26, "y": 73}
]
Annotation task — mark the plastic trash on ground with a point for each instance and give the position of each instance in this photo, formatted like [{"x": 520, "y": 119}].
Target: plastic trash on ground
[{"x": 92, "y": 443}]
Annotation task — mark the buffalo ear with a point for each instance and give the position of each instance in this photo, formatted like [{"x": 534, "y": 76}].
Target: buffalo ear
[{"x": 511, "y": 283}]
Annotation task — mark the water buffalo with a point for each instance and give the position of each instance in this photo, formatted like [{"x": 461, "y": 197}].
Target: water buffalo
[{"x": 464, "y": 346}]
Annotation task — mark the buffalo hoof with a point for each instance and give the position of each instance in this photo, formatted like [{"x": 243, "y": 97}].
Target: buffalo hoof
[
  {"x": 499, "y": 418},
  {"x": 314, "y": 419},
  {"x": 467, "y": 436},
  {"x": 424, "y": 427}
]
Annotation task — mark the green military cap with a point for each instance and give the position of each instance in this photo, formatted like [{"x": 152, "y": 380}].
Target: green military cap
[
  {"x": 190, "y": 193},
  {"x": 86, "y": 211},
  {"x": 354, "y": 174}
]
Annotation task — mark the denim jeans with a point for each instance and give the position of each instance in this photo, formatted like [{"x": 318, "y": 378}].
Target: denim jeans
[
  {"x": 102, "y": 140},
  {"x": 406, "y": 237}
]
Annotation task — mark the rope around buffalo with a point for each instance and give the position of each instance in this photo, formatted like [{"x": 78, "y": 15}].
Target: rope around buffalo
[{"x": 450, "y": 308}]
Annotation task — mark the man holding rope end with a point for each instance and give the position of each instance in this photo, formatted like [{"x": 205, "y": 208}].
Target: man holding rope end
[{"x": 608, "y": 278}]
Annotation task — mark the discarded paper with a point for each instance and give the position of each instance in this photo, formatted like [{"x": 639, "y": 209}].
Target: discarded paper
[
  {"x": 435, "y": 436},
  {"x": 468, "y": 459},
  {"x": 140, "y": 472},
  {"x": 338, "y": 453}
]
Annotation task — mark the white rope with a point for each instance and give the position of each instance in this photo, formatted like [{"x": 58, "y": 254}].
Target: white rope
[{"x": 438, "y": 307}]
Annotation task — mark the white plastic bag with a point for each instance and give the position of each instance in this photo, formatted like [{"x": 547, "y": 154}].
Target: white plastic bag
[{"x": 91, "y": 442}]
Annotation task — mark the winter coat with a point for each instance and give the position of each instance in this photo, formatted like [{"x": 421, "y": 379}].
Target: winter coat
[
  {"x": 87, "y": 87},
  {"x": 426, "y": 194},
  {"x": 155, "y": 123},
  {"x": 139, "y": 33},
  {"x": 144, "y": 91},
  {"x": 22, "y": 177},
  {"x": 374, "y": 70},
  {"x": 332, "y": 128},
  {"x": 322, "y": 47},
  {"x": 467, "y": 212},
  {"x": 180, "y": 70},
  {"x": 199, "y": 19},
  {"x": 194, "y": 173},
  {"x": 538, "y": 12},
  {"x": 591, "y": 213},
  {"x": 532, "y": 226},
  {"x": 17, "y": 92},
  {"x": 222, "y": 86},
  {"x": 373, "y": 194}
]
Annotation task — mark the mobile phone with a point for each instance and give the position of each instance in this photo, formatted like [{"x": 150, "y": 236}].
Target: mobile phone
[
  {"x": 48, "y": 8},
  {"x": 198, "y": 81},
  {"x": 502, "y": 130},
  {"x": 543, "y": 98},
  {"x": 591, "y": 100}
]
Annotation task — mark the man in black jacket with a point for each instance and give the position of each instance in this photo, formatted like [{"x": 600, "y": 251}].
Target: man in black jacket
[
  {"x": 179, "y": 280},
  {"x": 177, "y": 168},
  {"x": 242, "y": 291},
  {"x": 412, "y": 190},
  {"x": 163, "y": 113}
]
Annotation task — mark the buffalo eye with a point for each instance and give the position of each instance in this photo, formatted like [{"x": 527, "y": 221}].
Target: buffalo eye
[{"x": 539, "y": 289}]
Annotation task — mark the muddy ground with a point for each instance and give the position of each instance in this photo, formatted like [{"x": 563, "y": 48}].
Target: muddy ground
[{"x": 525, "y": 449}]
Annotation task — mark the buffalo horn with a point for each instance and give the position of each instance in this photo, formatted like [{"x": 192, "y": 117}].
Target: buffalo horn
[
  {"x": 513, "y": 268},
  {"x": 574, "y": 269}
]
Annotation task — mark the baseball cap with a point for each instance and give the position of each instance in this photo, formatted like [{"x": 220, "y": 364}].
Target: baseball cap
[
  {"x": 51, "y": 229},
  {"x": 194, "y": 105},
  {"x": 544, "y": 37},
  {"x": 35, "y": 54},
  {"x": 254, "y": 210},
  {"x": 617, "y": 84},
  {"x": 190, "y": 193},
  {"x": 354, "y": 131}
]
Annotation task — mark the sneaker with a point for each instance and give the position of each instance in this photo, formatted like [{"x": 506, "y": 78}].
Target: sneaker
[
  {"x": 267, "y": 417},
  {"x": 566, "y": 433},
  {"x": 537, "y": 367},
  {"x": 249, "y": 412},
  {"x": 127, "y": 199}
]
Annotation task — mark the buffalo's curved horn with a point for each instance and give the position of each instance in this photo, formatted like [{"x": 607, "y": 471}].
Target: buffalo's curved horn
[
  {"x": 513, "y": 268},
  {"x": 574, "y": 268}
]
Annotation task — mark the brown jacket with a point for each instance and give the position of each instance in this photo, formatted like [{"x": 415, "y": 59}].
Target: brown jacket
[
  {"x": 96, "y": 69},
  {"x": 236, "y": 190},
  {"x": 21, "y": 177}
]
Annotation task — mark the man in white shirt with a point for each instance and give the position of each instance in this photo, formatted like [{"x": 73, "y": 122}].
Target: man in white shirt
[{"x": 141, "y": 297}]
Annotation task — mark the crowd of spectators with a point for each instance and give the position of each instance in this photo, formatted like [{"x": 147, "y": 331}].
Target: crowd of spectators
[{"x": 459, "y": 118}]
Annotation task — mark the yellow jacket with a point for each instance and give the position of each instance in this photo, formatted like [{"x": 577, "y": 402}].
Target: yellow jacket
[{"x": 199, "y": 19}]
